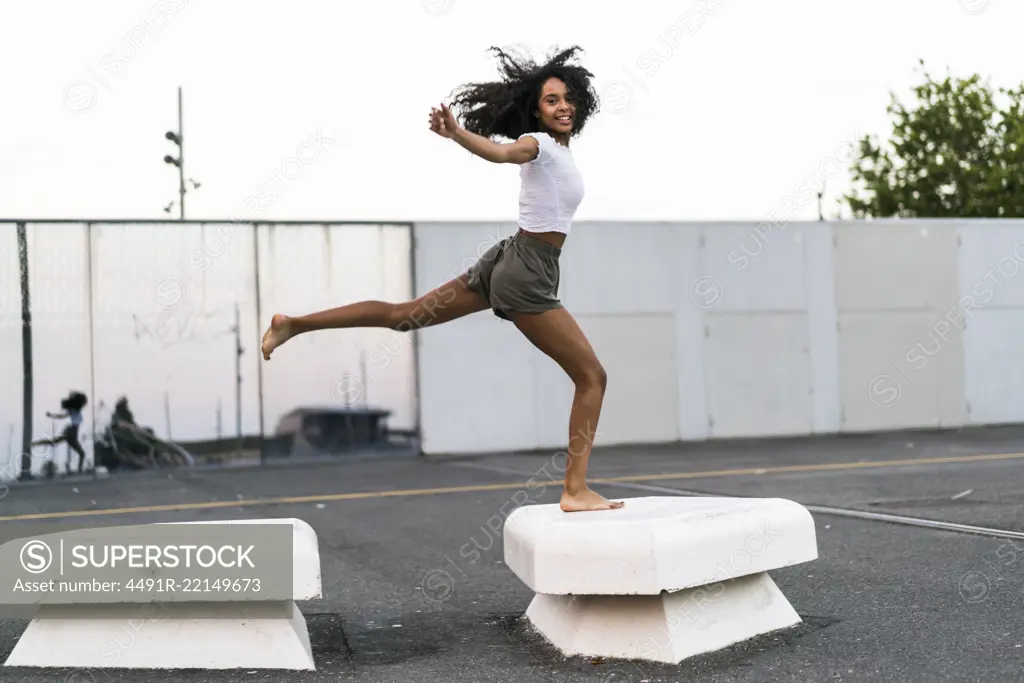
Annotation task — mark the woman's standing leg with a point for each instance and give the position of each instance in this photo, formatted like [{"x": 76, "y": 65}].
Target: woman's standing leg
[
  {"x": 556, "y": 333},
  {"x": 451, "y": 300},
  {"x": 76, "y": 445}
]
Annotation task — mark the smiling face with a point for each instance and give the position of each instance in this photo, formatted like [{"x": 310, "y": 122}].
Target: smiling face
[{"x": 554, "y": 109}]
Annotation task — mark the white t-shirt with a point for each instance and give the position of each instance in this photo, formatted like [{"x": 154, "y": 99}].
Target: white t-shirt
[{"x": 551, "y": 188}]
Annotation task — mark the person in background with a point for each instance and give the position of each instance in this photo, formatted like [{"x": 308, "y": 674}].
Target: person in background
[{"x": 72, "y": 409}]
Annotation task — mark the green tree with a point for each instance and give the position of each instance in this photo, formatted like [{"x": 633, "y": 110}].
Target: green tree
[{"x": 958, "y": 151}]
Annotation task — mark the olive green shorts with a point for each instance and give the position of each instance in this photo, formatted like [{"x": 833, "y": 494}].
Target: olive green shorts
[{"x": 519, "y": 274}]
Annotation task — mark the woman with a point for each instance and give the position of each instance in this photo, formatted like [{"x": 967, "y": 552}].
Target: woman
[
  {"x": 72, "y": 406},
  {"x": 540, "y": 108}
]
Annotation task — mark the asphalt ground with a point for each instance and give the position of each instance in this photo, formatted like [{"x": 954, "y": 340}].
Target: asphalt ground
[{"x": 415, "y": 588}]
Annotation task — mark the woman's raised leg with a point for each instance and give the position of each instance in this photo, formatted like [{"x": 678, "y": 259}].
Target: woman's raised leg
[
  {"x": 557, "y": 334},
  {"x": 451, "y": 300},
  {"x": 50, "y": 440}
]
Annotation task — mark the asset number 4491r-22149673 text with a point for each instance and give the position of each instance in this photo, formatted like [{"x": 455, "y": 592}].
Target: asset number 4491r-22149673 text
[{"x": 194, "y": 585}]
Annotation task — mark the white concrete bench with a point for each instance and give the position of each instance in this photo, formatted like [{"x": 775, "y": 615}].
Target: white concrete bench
[
  {"x": 182, "y": 635},
  {"x": 661, "y": 579}
]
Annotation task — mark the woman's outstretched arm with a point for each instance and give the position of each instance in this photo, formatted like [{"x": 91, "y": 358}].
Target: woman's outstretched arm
[
  {"x": 521, "y": 151},
  {"x": 518, "y": 152}
]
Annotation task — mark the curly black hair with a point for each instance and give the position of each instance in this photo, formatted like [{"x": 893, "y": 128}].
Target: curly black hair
[
  {"x": 507, "y": 107},
  {"x": 75, "y": 400}
]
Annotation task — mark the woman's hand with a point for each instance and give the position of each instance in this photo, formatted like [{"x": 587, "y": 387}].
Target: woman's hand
[{"x": 443, "y": 122}]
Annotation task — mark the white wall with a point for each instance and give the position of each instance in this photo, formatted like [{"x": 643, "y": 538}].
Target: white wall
[{"x": 712, "y": 330}]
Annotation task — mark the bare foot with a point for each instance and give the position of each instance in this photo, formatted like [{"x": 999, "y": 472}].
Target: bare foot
[
  {"x": 587, "y": 500},
  {"x": 278, "y": 333}
]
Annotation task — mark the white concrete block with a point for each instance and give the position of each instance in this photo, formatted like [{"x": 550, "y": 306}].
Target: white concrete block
[
  {"x": 655, "y": 543},
  {"x": 664, "y": 628},
  {"x": 663, "y": 578},
  {"x": 306, "y": 579},
  {"x": 182, "y": 635}
]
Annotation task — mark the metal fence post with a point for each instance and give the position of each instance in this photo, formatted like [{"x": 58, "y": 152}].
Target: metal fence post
[
  {"x": 259, "y": 317},
  {"x": 417, "y": 386},
  {"x": 92, "y": 342},
  {"x": 26, "y": 356}
]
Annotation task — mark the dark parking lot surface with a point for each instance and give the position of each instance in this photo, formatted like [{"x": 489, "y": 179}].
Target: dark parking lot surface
[{"x": 415, "y": 588}]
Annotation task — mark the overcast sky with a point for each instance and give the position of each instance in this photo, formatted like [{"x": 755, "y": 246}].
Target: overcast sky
[{"x": 714, "y": 109}]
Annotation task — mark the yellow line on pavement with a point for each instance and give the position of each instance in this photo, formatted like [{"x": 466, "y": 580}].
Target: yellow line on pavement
[
  {"x": 868, "y": 464},
  {"x": 267, "y": 501},
  {"x": 872, "y": 464}
]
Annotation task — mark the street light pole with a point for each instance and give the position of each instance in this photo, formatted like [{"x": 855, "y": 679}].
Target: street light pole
[
  {"x": 178, "y": 139},
  {"x": 181, "y": 158}
]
